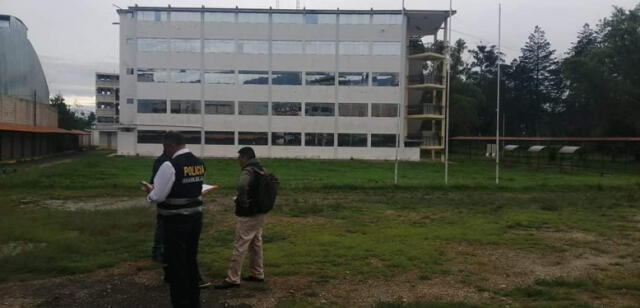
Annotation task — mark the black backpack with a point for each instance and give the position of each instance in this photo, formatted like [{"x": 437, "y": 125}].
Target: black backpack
[{"x": 267, "y": 184}]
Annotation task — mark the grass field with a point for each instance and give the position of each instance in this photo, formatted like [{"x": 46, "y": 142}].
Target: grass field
[{"x": 343, "y": 234}]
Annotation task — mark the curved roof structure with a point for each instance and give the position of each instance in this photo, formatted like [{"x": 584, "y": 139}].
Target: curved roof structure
[{"x": 21, "y": 74}]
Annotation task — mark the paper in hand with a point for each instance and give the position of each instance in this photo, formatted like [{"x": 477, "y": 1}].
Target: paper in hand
[{"x": 207, "y": 188}]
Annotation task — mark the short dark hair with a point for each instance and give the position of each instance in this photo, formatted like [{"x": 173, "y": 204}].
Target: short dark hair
[
  {"x": 173, "y": 138},
  {"x": 247, "y": 152}
]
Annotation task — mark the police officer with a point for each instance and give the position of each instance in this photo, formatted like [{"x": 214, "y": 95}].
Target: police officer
[{"x": 176, "y": 189}]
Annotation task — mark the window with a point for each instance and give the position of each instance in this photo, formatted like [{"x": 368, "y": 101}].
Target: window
[
  {"x": 129, "y": 100},
  {"x": 219, "y": 17},
  {"x": 384, "y": 110},
  {"x": 253, "y": 77},
  {"x": 319, "y": 109},
  {"x": 253, "y": 108},
  {"x": 185, "y": 106},
  {"x": 151, "y": 16},
  {"x": 153, "y": 45},
  {"x": 286, "y": 109},
  {"x": 185, "y": 46},
  {"x": 384, "y": 79},
  {"x": 286, "y": 78},
  {"x": 131, "y": 42},
  {"x": 387, "y": 19},
  {"x": 318, "y": 139},
  {"x": 254, "y": 18},
  {"x": 185, "y": 76},
  {"x": 286, "y": 139},
  {"x": 352, "y": 140},
  {"x": 220, "y": 77},
  {"x": 130, "y": 70},
  {"x": 219, "y": 46},
  {"x": 152, "y": 75},
  {"x": 219, "y": 107},
  {"x": 192, "y": 137},
  {"x": 354, "y": 19},
  {"x": 353, "y": 110},
  {"x": 286, "y": 47},
  {"x": 152, "y": 106},
  {"x": 151, "y": 136},
  {"x": 253, "y": 47},
  {"x": 220, "y": 138},
  {"x": 287, "y": 18},
  {"x": 253, "y": 138},
  {"x": 315, "y": 19},
  {"x": 4, "y": 23},
  {"x": 185, "y": 16},
  {"x": 353, "y": 79},
  {"x": 354, "y": 48},
  {"x": 383, "y": 140},
  {"x": 319, "y": 78},
  {"x": 320, "y": 48},
  {"x": 386, "y": 48},
  {"x": 105, "y": 120}
]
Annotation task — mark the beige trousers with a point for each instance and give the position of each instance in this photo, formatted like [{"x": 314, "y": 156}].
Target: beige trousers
[{"x": 248, "y": 239}]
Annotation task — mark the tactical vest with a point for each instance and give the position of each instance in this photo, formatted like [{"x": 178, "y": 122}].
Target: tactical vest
[{"x": 184, "y": 197}]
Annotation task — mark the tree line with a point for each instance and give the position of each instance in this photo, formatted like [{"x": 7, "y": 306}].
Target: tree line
[{"x": 593, "y": 90}]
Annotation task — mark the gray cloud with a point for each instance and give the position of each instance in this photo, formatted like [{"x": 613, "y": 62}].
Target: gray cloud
[{"x": 75, "y": 38}]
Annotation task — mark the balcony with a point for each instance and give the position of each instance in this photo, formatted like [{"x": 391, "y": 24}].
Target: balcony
[
  {"x": 425, "y": 111},
  {"x": 426, "y": 80},
  {"x": 417, "y": 47},
  {"x": 106, "y": 97},
  {"x": 107, "y": 83},
  {"x": 424, "y": 142},
  {"x": 105, "y": 112}
]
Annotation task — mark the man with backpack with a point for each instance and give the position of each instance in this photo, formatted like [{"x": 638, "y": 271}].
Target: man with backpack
[{"x": 256, "y": 193}]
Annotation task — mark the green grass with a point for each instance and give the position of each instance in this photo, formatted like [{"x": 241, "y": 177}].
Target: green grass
[{"x": 335, "y": 219}]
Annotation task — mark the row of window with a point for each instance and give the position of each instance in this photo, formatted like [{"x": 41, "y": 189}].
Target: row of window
[
  {"x": 278, "y": 18},
  {"x": 350, "y": 48},
  {"x": 277, "y": 138},
  {"x": 245, "y": 77},
  {"x": 262, "y": 108}
]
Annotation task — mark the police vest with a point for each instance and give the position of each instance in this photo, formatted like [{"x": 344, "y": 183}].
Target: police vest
[{"x": 187, "y": 187}]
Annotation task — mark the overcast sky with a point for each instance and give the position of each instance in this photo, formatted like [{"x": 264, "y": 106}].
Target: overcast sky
[{"x": 75, "y": 38}]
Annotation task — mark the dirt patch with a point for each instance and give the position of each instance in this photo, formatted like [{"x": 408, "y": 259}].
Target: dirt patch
[
  {"x": 15, "y": 248},
  {"x": 94, "y": 204}
]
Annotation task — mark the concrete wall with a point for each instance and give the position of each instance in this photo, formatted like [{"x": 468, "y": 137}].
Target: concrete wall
[{"x": 18, "y": 111}]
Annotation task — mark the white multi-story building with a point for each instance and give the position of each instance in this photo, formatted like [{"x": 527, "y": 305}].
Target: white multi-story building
[
  {"x": 107, "y": 110},
  {"x": 290, "y": 83}
]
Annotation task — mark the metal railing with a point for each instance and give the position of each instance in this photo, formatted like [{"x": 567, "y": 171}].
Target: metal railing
[
  {"x": 424, "y": 109},
  {"x": 426, "y": 78}
]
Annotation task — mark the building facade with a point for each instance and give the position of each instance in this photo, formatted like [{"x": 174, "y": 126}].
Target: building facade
[
  {"x": 327, "y": 84},
  {"x": 107, "y": 110},
  {"x": 28, "y": 125}
]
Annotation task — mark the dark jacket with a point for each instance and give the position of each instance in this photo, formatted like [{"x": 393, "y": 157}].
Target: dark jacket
[{"x": 247, "y": 189}]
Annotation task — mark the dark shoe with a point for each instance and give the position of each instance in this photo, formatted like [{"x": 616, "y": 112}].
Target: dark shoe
[
  {"x": 226, "y": 285},
  {"x": 253, "y": 279},
  {"x": 203, "y": 284}
]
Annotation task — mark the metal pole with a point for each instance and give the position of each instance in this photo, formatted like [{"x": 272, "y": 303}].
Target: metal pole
[
  {"x": 498, "y": 97},
  {"x": 447, "y": 117},
  {"x": 400, "y": 110}
]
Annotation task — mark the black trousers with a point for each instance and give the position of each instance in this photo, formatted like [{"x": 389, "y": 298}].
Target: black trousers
[{"x": 181, "y": 237}]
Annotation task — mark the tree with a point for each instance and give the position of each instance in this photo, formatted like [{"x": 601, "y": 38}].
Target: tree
[
  {"x": 538, "y": 87},
  {"x": 67, "y": 118}
]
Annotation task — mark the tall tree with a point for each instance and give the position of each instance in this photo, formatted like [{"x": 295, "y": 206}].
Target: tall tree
[{"x": 538, "y": 85}]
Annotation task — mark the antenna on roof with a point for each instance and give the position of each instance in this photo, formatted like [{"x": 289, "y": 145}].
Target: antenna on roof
[{"x": 116, "y": 5}]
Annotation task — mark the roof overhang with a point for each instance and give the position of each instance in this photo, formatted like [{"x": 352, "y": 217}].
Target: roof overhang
[
  {"x": 423, "y": 23},
  {"x": 38, "y": 129}
]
